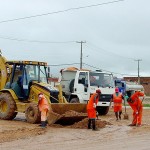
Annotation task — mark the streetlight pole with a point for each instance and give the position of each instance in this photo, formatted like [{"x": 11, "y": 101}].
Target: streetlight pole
[
  {"x": 81, "y": 54},
  {"x": 138, "y": 60}
]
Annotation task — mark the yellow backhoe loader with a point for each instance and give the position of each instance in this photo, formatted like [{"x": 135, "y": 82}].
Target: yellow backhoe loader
[{"x": 20, "y": 84}]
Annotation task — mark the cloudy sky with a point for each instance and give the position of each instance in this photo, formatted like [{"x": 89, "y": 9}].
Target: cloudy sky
[{"x": 117, "y": 33}]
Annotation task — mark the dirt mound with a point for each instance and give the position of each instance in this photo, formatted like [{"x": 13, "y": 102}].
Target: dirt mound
[
  {"x": 73, "y": 119},
  {"x": 83, "y": 124},
  {"x": 72, "y": 113}
]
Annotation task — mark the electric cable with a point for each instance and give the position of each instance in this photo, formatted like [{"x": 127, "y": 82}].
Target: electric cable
[
  {"x": 107, "y": 51},
  {"x": 123, "y": 74},
  {"x": 60, "y": 11},
  {"x": 34, "y": 41}
]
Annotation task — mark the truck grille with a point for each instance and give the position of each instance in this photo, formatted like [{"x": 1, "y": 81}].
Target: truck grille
[{"x": 105, "y": 97}]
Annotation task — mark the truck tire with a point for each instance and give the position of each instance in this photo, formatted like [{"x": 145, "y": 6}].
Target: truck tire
[
  {"x": 102, "y": 110},
  {"x": 32, "y": 113},
  {"x": 7, "y": 107},
  {"x": 74, "y": 100},
  {"x": 71, "y": 86}
]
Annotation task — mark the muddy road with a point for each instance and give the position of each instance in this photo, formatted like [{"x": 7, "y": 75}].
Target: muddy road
[{"x": 20, "y": 135}]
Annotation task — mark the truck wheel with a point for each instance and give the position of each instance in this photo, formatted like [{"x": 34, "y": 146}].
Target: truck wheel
[
  {"x": 32, "y": 113},
  {"x": 7, "y": 107},
  {"x": 102, "y": 110},
  {"x": 74, "y": 100}
]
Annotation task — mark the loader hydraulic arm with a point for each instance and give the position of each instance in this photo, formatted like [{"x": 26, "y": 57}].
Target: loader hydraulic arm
[{"x": 3, "y": 72}]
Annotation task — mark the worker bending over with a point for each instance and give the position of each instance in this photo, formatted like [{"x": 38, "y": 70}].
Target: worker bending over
[
  {"x": 136, "y": 104},
  {"x": 44, "y": 108},
  {"x": 91, "y": 109},
  {"x": 117, "y": 99}
]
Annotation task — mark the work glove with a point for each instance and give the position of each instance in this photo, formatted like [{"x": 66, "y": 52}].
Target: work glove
[
  {"x": 94, "y": 105},
  {"x": 126, "y": 97},
  {"x": 136, "y": 113}
]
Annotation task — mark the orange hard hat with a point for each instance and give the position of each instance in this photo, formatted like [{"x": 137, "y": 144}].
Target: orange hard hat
[{"x": 98, "y": 91}]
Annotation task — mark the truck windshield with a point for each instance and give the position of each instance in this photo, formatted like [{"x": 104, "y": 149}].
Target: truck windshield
[{"x": 101, "y": 79}]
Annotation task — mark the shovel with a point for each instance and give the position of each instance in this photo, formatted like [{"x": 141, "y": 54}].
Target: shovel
[{"x": 126, "y": 116}]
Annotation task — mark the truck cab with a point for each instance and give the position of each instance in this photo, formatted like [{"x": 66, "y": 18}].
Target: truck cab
[{"x": 126, "y": 87}]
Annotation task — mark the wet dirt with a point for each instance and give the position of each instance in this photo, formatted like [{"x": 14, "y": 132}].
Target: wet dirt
[{"x": 20, "y": 135}]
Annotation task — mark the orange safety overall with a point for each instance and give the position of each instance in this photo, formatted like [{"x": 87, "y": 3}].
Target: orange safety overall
[
  {"x": 43, "y": 107},
  {"x": 137, "y": 107},
  {"x": 117, "y": 102},
  {"x": 90, "y": 106}
]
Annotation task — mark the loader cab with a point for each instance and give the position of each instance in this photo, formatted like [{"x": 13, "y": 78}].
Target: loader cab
[{"x": 22, "y": 76}]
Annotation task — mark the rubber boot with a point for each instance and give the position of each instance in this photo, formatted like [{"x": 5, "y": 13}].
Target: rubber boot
[
  {"x": 89, "y": 124},
  {"x": 43, "y": 124},
  {"x": 116, "y": 114},
  {"x": 120, "y": 115},
  {"x": 94, "y": 125}
]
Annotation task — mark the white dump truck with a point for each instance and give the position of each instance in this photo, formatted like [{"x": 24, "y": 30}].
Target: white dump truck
[{"x": 78, "y": 85}]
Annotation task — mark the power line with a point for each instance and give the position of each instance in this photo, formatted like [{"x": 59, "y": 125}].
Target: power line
[
  {"x": 91, "y": 67},
  {"x": 34, "y": 41},
  {"x": 64, "y": 64},
  {"x": 107, "y": 51},
  {"x": 107, "y": 70},
  {"x": 60, "y": 11}
]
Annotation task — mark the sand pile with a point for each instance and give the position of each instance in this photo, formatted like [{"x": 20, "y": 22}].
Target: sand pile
[{"x": 83, "y": 124}]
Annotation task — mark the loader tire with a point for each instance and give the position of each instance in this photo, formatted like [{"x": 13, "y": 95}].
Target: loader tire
[
  {"x": 102, "y": 110},
  {"x": 32, "y": 114},
  {"x": 7, "y": 107},
  {"x": 74, "y": 100}
]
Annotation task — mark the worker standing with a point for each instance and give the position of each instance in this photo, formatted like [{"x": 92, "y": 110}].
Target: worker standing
[
  {"x": 117, "y": 99},
  {"x": 44, "y": 108},
  {"x": 91, "y": 109},
  {"x": 136, "y": 104}
]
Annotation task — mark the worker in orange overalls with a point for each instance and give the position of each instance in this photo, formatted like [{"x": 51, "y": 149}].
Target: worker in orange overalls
[
  {"x": 44, "y": 108},
  {"x": 117, "y": 99},
  {"x": 91, "y": 109},
  {"x": 136, "y": 104}
]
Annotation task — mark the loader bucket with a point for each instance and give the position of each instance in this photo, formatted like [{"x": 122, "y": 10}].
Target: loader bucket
[{"x": 66, "y": 114}]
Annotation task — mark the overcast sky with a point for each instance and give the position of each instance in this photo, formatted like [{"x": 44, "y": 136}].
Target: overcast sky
[{"x": 116, "y": 34}]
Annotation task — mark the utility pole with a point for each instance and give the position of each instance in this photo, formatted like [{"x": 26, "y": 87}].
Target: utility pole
[
  {"x": 138, "y": 60},
  {"x": 81, "y": 54}
]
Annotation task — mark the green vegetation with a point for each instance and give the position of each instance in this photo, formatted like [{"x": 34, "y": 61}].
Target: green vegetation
[{"x": 146, "y": 105}]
